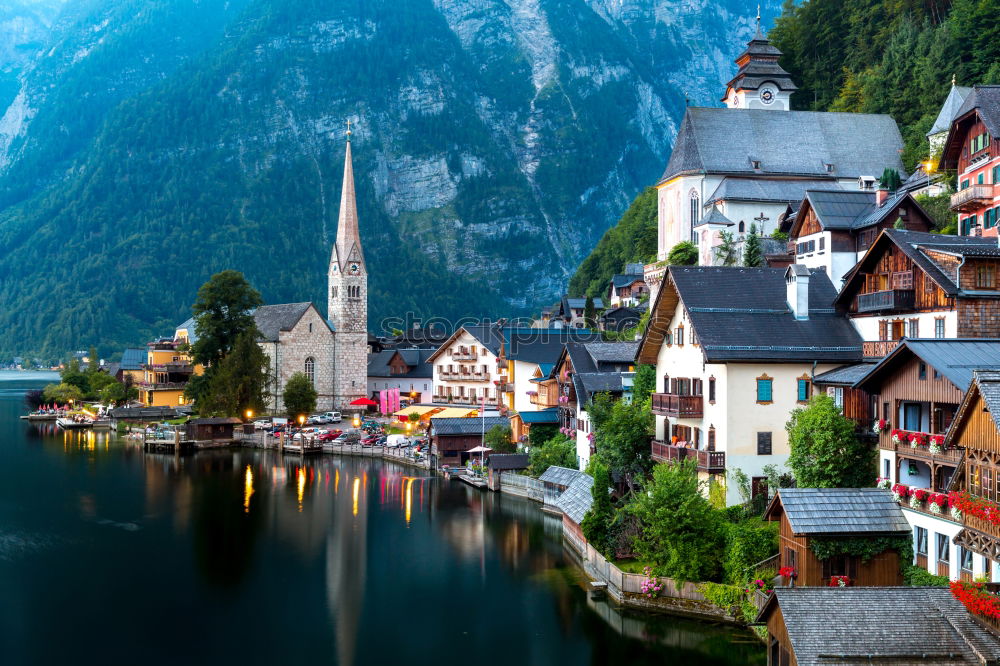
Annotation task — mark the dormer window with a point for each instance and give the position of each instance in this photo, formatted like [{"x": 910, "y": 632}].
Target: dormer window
[
  {"x": 829, "y": 167},
  {"x": 756, "y": 164}
]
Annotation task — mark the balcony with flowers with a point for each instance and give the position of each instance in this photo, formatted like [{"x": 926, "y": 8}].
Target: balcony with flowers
[
  {"x": 937, "y": 504},
  {"x": 922, "y": 445},
  {"x": 982, "y": 600}
]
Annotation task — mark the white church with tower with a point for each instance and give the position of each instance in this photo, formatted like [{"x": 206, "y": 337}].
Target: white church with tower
[{"x": 752, "y": 161}]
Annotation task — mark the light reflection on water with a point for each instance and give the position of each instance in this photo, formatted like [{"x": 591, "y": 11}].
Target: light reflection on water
[{"x": 325, "y": 559}]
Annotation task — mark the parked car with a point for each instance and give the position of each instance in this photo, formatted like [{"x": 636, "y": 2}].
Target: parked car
[
  {"x": 395, "y": 441},
  {"x": 262, "y": 424},
  {"x": 329, "y": 436},
  {"x": 335, "y": 417}
]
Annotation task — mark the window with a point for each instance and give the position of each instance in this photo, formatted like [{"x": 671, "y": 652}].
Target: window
[
  {"x": 920, "y": 540},
  {"x": 742, "y": 226},
  {"x": 838, "y": 397},
  {"x": 806, "y": 247},
  {"x": 964, "y": 185},
  {"x": 914, "y": 327},
  {"x": 995, "y": 174},
  {"x": 841, "y": 565},
  {"x": 822, "y": 243},
  {"x": 902, "y": 280},
  {"x": 711, "y": 438},
  {"x": 922, "y": 370},
  {"x": 679, "y": 335},
  {"x": 803, "y": 389},
  {"x": 333, "y": 292},
  {"x": 885, "y": 468},
  {"x": 310, "y": 327},
  {"x": 764, "y": 394},
  {"x": 979, "y": 179},
  {"x": 943, "y": 548},
  {"x": 939, "y": 327},
  {"x": 985, "y": 276},
  {"x": 711, "y": 389},
  {"x": 763, "y": 443},
  {"x": 311, "y": 369},
  {"x": 694, "y": 208},
  {"x": 965, "y": 559},
  {"x": 694, "y": 337}
]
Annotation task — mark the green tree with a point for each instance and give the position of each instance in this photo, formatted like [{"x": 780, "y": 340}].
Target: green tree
[
  {"x": 725, "y": 251},
  {"x": 939, "y": 210},
  {"x": 62, "y": 393},
  {"x": 684, "y": 253},
  {"x": 299, "y": 396},
  {"x": 644, "y": 382},
  {"x": 825, "y": 453},
  {"x": 589, "y": 313},
  {"x": 498, "y": 438},
  {"x": 540, "y": 433},
  {"x": 559, "y": 451},
  {"x": 621, "y": 436},
  {"x": 890, "y": 179},
  {"x": 680, "y": 531},
  {"x": 753, "y": 257},
  {"x": 223, "y": 311},
  {"x": 747, "y": 543},
  {"x": 241, "y": 381},
  {"x": 118, "y": 394},
  {"x": 72, "y": 375},
  {"x": 597, "y": 524}
]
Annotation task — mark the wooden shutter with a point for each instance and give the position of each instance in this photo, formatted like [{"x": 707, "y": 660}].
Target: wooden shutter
[
  {"x": 883, "y": 330},
  {"x": 763, "y": 443}
]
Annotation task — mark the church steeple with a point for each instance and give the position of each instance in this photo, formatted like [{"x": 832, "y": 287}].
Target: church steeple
[
  {"x": 348, "y": 246},
  {"x": 348, "y": 296},
  {"x": 760, "y": 83}
]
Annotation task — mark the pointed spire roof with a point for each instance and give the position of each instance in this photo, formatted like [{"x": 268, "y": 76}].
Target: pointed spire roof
[
  {"x": 759, "y": 63},
  {"x": 348, "y": 247},
  {"x": 717, "y": 217},
  {"x": 949, "y": 110}
]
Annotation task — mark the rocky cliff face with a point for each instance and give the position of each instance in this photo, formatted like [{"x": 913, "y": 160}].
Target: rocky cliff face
[{"x": 151, "y": 143}]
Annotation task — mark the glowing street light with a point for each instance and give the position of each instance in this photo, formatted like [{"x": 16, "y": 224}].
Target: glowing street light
[{"x": 249, "y": 414}]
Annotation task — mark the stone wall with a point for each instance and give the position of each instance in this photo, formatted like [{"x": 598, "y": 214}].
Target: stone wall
[{"x": 310, "y": 338}]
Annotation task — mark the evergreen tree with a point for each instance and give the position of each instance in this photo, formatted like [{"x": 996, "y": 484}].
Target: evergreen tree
[
  {"x": 597, "y": 523},
  {"x": 890, "y": 180},
  {"x": 621, "y": 436},
  {"x": 752, "y": 254},
  {"x": 725, "y": 251},
  {"x": 684, "y": 253},
  {"x": 241, "y": 381},
  {"x": 299, "y": 396},
  {"x": 590, "y": 313},
  {"x": 825, "y": 453}
]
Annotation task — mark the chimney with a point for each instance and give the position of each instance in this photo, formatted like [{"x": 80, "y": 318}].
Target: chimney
[
  {"x": 881, "y": 194},
  {"x": 797, "y": 290}
]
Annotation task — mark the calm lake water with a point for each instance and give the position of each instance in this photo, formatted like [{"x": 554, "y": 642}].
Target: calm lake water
[{"x": 112, "y": 556}]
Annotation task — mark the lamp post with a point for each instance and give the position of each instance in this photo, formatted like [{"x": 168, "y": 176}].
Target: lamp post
[{"x": 249, "y": 415}]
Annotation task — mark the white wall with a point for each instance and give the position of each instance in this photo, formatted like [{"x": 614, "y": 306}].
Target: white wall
[
  {"x": 523, "y": 373},
  {"x": 484, "y": 357},
  {"x": 868, "y": 326},
  {"x": 936, "y": 526},
  {"x": 423, "y": 387}
]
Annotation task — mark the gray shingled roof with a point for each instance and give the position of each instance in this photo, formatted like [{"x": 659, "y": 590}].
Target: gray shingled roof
[
  {"x": 743, "y": 314},
  {"x": 587, "y": 384},
  {"x": 955, "y": 358},
  {"x": 986, "y": 99},
  {"x": 471, "y": 425},
  {"x": 612, "y": 352},
  {"x": 845, "y": 375},
  {"x": 577, "y": 499},
  {"x": 560, "y": 476},
  {"x": 799, "y": 143},
  {"x": 416, "y": 359},
  {"x": 506, "y": 461},
  {"x": 865, "y": 625},
  {"x": 624, "y": 280},
  {"x": 272, "y": 319},
  {"x": 836, "y": 511},
  {"x": 988, "y": 382},
  {"x": 841, "y": 209},
  {"x": 757, "y": 189},
  {"x": 715, "y": 216},
  {"x": 949, "y": 110}
]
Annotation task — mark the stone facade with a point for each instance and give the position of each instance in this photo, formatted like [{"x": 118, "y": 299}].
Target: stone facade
[{"x": 310, "y": 339}]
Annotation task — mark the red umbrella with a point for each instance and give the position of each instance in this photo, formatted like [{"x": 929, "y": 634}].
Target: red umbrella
[{"x": 364, "y": 402}]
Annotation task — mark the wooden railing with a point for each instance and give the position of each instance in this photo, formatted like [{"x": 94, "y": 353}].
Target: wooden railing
[
  {"x": 679, "y": 406},
  {"x": 950, "y": 456},
  {"x": 888, "y": 300},
  {"x": 878, "y": 348},
  {"x": 463, "y": 355},
  {"x": 971, "y": 197},
  {"x": 708, "y": 461}
]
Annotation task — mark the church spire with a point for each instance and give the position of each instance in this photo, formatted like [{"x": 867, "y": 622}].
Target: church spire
[
  {"x": 760, "y": 34},
  {"x": 348, "y": 236}
]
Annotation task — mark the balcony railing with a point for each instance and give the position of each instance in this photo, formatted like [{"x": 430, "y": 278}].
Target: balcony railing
[
  {"x": 972, "y": 198},
  {"x": 161, "y": 386},
  {"x": 181, "y": 368},
  {"x": 878, "y": 348},
  {"x": 465, "y": 376},
  {"x": 886, "y": 301},
  {"x": 678, "y": 406},
  {"x": 464, "y": 355},
  {"x": 708, "y": 461},
  {"x": 545, "y": 400},
  {"x": 903, "y": 447}
]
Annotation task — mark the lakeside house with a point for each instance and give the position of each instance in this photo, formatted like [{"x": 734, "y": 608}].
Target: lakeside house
[
  {"x": 166, "y": 372},
  {"x": 404, "y": 369},
  {"x": 969, "y": 151},
  {"x": 813, "y": 626},
  {"x": 736, "y": 350},
  {"x": 452, "y": 437},
  {"x": 808, "y": 517}
]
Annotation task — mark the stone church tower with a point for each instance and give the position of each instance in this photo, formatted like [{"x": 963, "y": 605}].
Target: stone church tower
[
  {"x": 348, "y": 298},
  {"x": 760, "y": 83}
]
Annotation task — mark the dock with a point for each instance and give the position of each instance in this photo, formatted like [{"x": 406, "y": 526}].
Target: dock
[{"x": 474, "y": 481}]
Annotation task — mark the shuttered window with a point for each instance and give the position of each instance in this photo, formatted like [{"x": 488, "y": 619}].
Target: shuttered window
[
  {"x": 803, "y": 390},
  {"x": 764, "y": 393}
]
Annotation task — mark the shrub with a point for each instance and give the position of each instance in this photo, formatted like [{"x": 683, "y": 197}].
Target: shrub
[
  {"x": 748, "y": 543},
  {"x": 915, "y": 576},
  {"x": 596, "y": 524}
]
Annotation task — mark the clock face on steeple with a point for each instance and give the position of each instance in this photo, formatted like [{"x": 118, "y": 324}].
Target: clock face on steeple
[
  {"x": 354, "y": 269},
  {"x": 767, "y": 94}
]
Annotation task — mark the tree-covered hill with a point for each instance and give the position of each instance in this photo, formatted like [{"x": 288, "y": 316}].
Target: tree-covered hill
[{"x": 152, "y": 143}]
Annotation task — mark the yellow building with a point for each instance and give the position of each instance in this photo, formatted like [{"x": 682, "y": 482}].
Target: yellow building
[{"x": 166, "y": 373}]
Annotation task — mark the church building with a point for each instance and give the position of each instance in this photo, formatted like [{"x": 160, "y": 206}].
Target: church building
[{"x": 753, "y": 161}]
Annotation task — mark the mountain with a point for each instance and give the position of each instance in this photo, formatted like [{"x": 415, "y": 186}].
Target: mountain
[{"x": 152, "y": 143}]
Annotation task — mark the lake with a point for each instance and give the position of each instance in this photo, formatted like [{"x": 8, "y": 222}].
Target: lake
[{"x": 110, "y": 555}]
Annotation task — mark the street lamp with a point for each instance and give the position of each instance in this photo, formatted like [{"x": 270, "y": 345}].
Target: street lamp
[
  {"x": 249, "y": 414},
  {"x": 302, "y": 420}
]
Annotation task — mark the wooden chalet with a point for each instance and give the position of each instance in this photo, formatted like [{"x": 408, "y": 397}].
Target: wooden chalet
[
  {"x": 810, "y": 626},
  {"x": 451, "y": 438},
  {"x": 219, "y": 429},
  {"x": 808, "y": 515},
  {"x": 977, "y": 431},
  {"x": 855, "y": 403},
  {"x": 920, "y": 285}
]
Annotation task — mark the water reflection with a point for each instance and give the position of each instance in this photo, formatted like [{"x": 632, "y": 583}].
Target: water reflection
[{"x": 323, "y": 559}]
